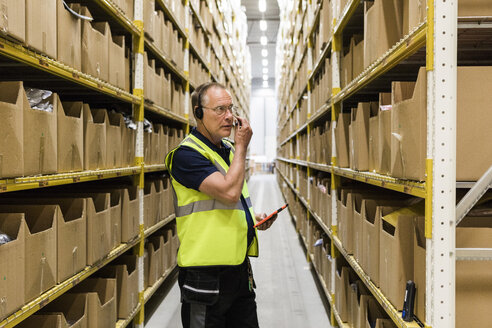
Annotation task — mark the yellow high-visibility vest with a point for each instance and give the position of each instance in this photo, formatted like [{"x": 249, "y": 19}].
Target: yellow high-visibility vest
[{"x": 210, "y": 232}]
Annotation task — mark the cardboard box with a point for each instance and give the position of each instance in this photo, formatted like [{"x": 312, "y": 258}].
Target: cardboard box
[
  {"x": 325, "y": 23},
  {"x": 356, "y": 291},
  {"x": 155, "y": 247},
  {"x": 166, "y": 91},
  {"x": 40, "y": 246},
  {"x": 164, "y": 142},
  {"x": 41, "y": 26},
  {"x": 129, "y": 213},
  {"x": 94, "y": 138},
  {"x": 116, "y": 52},
  {"x": 357, "y": 51},
  {"x": 396, "y": 252},
  {"x": 149, "y": 200},
  {"x": 115, "y": 213},
  {"x": 342, "y": 283},
  {"x": 372, "y": 212},
  {"x": 342, "y": 140},
  {"x": 156, "y": 155},
  {"x": 95, "y": 47},
  {"x": 359, "y": 144},
  {"x": 385, "y": 323},
  {"x": 70, "y": 139},
  {"x": 474, "y": 8},
  {"x": 148, "y": 12},
  {"x": 373, "y": 312},
  {"x": 69, "y": 36},
  {"x": 157, "y": 20},
  {"x": 12, "y": 262},
  {"x": 101, "y": 295},
  {"x": 383, "y": 27},
  {"x": 124, "y": 270},
  {"x": 414, "y": 13},
  {"x": 383, "y": 162},
  {"x": 347, "y": 68},
  {"x": 419, "y": 266},
  {"x": 374, "y": 162},
  {"x": 114, "y": 138},
  {"x": 40, "y": 139},
  {"x": 98, "y": 226},
  {"x": 409, "y": 127},
  {"x": 147, "y": 146},
  {"x": 71, "y": 310},
  {"x": 128, "y": 146},
  {"x": 127, "y": 76},
  {"x": 13, "y": 104},
  {"x": 13, "y": 23},
  {"x": 158, "y": 199}
]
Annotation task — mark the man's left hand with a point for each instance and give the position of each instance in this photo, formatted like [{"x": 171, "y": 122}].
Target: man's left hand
[{"x": 268, "y": 223}]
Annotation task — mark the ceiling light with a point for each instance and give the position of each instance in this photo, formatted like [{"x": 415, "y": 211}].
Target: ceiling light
[
  {"x": 264, "y": 62},
  {"x": 265, "y": 77},
  {"x": 262, "y": 6},
  {"x": 263, "y": 25},
  {"x": 264, "y": 52},
  {"x": 263, "y": 40},
  {"x": 265, "y": 84},
  {"x": 265, "y": 70}
]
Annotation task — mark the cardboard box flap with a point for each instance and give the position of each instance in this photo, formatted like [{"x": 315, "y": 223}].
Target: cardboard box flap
[
  {"x": 38, "y": 218},
  {"x": 414, "y": 210},
  {"x": 374, "y": 312},
  {"x": 105, "y": 289},
  {"x": 45, "y": 320},
  {"x": 401, "y": 91},
  {"x": 13, "y": 225},
  {"x": 71, "y": 109},
  {"x": 72, "y": 306}
]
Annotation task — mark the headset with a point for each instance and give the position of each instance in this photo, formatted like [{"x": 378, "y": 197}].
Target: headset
[{"x": 199, "y": 109}]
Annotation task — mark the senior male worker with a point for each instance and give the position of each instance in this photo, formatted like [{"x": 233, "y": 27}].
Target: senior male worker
[{"x": 215, "y": 216}]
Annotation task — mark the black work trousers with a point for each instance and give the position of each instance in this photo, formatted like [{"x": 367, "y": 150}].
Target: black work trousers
[{"x": 217, "y": 297}]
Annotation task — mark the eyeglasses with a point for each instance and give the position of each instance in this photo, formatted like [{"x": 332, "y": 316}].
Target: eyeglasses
[{"x": 221, "y": 110}]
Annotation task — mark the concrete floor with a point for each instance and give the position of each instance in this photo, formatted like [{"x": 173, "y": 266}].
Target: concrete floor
[{"x": 287, "y": 295}]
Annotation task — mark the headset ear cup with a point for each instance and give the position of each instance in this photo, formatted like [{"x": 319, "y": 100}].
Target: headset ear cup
[{"x": 199, "y": 112}]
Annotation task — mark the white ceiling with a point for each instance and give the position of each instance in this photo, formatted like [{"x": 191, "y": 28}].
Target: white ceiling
[{"x": 272, "y": 16}]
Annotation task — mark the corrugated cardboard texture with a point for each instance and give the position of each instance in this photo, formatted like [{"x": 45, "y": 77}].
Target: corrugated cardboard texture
[
  {"x": 70, "y": 136},
  {"x": 69, "y": 36},
  {"x": 41, "y": 26},
  {"x": 101, "y": 294},
  {"x": 95, "y": 47},
  {"x": 13, "y": 104},
  {"x": 383, "y": 27},
  {"x": 12, "y": 263},
  {"x": 40, "y": 246},
  {"x": 94, "y": 138},
  {"x": 117, "y": 60},
  {"x": 13, "y": 19},
  {"x": 40, "y": 139},
  {"x": 72, "y": 308}
]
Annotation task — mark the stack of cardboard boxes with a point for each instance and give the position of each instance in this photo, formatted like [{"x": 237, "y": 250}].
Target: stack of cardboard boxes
[
  {"x": 68, "y": 137},
  {"x": 389, "y": 136}
]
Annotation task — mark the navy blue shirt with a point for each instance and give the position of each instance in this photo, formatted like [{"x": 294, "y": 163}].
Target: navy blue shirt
[{"x": 190, "y": 168}]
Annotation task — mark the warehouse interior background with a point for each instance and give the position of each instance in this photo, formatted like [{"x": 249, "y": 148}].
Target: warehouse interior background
[{"x": 371, "y": 120}]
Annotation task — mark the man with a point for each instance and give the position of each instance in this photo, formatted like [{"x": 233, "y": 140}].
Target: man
[{"x": 214, "y": 216}]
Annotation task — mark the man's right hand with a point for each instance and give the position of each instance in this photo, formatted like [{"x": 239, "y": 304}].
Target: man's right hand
[{"x": 243, "y": 133}]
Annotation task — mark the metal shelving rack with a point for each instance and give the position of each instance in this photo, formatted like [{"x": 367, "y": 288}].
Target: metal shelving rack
[
  {"x": 90, "y": 85},
  {"x": 437, "y": 35}
]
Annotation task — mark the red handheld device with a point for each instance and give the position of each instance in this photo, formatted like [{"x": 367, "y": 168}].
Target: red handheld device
[{"x": 270, "y": 216}]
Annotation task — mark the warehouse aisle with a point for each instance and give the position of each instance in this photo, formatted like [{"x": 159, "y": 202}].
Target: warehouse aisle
[{"x": 286, "y": 292}]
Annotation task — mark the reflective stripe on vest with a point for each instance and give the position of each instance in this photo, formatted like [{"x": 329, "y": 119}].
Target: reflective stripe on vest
[{"x": 210, "y": 232}]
